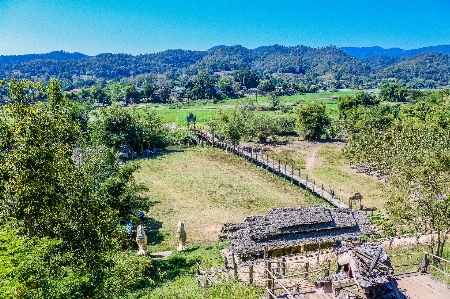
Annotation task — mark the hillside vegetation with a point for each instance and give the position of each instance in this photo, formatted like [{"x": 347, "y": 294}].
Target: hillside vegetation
[{"x": 328, "y": 66}]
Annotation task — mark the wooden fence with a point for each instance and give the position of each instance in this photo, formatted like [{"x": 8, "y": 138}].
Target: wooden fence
[{"x": 274, "y": 166}]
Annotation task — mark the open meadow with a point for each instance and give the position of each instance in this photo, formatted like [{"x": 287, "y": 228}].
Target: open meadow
[
  {"x": 206, "y": 188},
  {"x": 324, "y": 162},
  {"x": 207, "y": 111}
]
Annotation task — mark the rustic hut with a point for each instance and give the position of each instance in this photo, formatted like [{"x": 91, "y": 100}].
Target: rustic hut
[{"x": 303, "y": 228}]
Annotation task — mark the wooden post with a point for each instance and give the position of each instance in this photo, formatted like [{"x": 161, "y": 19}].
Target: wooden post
[
  {"x": 283, "y": 266},
  {"x": 285, "y": 173},
  {"x": 425, "y": 262},
  {"x": 318, "y": 255},
  {"x": 251, "y": 154},
  {"x": 279, "y": 165},
  {"x": 269, "y": 279},
  {"x": 267, "y": 162},
  {"x": 235, "y": 267},
  {"x": 299, "y": 178},
  {"x": 273, "y": 165},
  {"x": 306, "y": 269},
  {"x": 250, "y": 274},
  {"x": 292, "y": 174}
]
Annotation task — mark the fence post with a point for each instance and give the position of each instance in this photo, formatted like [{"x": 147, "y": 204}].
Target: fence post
[
  {"x": 273, "y": 165},
  {"x": 235, "y": 267},
  {"x": 250, "y": 274},
  {"x": 267, "y": 162},
  {"x": 292, "y": 174},
  {"x": 285, "y": 173},
  {"x": 269, "y": 279},
  {"x": 279, "y": 167},
  {"x": 424, "y": 265},
  {"x": 283, "y": 266},
  {"x": 318, "y": 255},
  {"x": 306, "y": 269}
]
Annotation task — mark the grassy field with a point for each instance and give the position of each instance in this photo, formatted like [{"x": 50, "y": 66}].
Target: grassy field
[
  {"x": 205, "y": 112},
  {"x": 332, "y": 169},
  {"x": 205, "y": 188},
  {"x": 324, "y": 163}
]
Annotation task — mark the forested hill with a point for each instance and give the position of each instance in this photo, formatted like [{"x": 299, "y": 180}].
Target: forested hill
[
  {"x": 367, "y": 52},
  {"x": 421, "y": 71},
  {"x": 55, "y": 55},
  {"x": 327, "y": 64}
]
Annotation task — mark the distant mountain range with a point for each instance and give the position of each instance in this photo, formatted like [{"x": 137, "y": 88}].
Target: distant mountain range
[
  {"x": 368, "y": 52},
  {"x": 327, "y": 67},
  {"x": 55, "y": 55}
]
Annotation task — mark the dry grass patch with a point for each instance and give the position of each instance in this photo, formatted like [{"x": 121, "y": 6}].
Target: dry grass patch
[
  {"x": 206, "y": 188},
  {"x": 334, "y": 171}
]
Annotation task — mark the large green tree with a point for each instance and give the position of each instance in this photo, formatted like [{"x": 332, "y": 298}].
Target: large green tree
[
  {"x": 202, "y": 86},
  {"x": 65, "y": 203},
  {"x": 246, "y": 78},
  {"x": 393, "y": 92},
  {"x": 412, "y": 153},
  {"x": 312, "y": 120}
]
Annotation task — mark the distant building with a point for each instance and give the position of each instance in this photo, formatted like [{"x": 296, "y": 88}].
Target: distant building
[
  {"x": 178, "y": 91},
  {"x": 251, "y": 91},
  {"x": 223, "y": 73}
]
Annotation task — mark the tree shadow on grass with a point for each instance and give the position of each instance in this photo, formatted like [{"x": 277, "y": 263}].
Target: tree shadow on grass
[
  {"x": 168, "y": 151},
  {"x": 152, "y": 229}
]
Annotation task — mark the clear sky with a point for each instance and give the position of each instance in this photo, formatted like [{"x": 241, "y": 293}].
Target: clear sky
[{"x": 147, "y": 26}]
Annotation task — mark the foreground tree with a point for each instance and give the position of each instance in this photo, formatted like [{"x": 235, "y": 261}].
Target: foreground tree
[{"x": 64, "y": 204}]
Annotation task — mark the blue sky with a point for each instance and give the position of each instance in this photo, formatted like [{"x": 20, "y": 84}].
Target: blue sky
[{"x": 147, "y": 26}]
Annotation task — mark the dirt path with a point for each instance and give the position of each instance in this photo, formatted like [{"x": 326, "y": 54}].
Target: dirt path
[{"x": 310, "y": 160}]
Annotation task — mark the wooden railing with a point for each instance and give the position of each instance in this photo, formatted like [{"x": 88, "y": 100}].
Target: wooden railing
[{"x": 269, "y": 164}]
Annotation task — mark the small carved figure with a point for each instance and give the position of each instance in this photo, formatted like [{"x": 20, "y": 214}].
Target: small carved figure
[
  {"x": 141, "y": 240},
  {"x": 181, "y": 237}
]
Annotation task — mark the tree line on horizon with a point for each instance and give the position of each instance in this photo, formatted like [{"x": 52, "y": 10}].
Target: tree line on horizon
[{"x": 327, "y": 67}]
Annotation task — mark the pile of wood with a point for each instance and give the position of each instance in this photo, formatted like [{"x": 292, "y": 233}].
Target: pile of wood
[{"x": 370, "y": 274}]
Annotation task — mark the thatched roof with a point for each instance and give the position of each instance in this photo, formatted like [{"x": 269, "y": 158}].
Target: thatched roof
[{"x": 290, "y": 227}]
